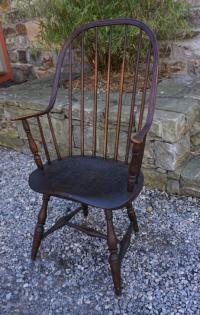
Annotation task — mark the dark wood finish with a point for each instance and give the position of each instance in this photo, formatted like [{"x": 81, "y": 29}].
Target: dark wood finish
[
  {"x": 87, "y": 230},
  {"x": 132, "y": 113},
  {"x": 54, "y": 137},
  {"x": 144, "y": 89},
  {"x": 114, "y": 259},
  {"x": 61, "y": 222},
  {"x": 70, "y": 100},
  {"x": 119, "y": 112},
  {"x": 132, "y": 217},
  {"x": 85, "y": 210},
  {"x": 107, "y": 94},
  {"x": 95, "y": 94},
  {"x": 125, "y": 242},
  {"x": 100, "y": 181},
  {"x": 135, "y": 164},
  {"x": 97, "y": 182},
  {"x": 43, "y": 140},
  {"x": 82, "y": 96},
  {"x": 32, "y": 144},
  {"x": 39, "y": 229}
]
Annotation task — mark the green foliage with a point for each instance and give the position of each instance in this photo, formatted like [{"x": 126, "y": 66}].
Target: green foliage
[{"x": 59, "y": 17}]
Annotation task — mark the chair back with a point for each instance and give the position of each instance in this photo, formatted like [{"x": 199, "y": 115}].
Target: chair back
[{"x": 104, "y": 109}]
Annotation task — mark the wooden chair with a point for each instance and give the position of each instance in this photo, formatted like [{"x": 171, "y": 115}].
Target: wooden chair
[{"x": 98, "y": 179}]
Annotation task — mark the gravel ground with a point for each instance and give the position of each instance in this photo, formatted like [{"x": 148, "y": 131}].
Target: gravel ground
[{"x": 161, "y": 270}]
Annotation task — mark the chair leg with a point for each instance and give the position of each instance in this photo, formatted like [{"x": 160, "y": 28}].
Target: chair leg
[
  {"x": 39, "y": 229},
  {"x": 132, "y": 217},
  {"x": 114, "y": 256},
  {"x": 85, "y": 209}
]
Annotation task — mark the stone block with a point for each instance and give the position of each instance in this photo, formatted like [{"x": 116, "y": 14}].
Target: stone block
[
  {"x": 22, "y": 72},
  {"x": 149, "y": 150},
  {"x": 161, "y": 170},
  {"x": 1, "y": 112},
  {"x": 195, "y": 140},
  {"x": 9, "y": 132},
  {"x": 186, "y": 106},
  {"x": 176, "y": 174},
  {"x": 11, "y": 142},
  {"x": 193, "y": 91},
  {"x": 148, "y": 163},
  {"x": 190, "y": 177},
  {"x": 20, "y": 130},
  {"x": 170, "y": 155},
  {"x": 173, "y": 186},
  {"x": 173, "y": 126},
  {"x": 187, "y": 50},
  {"x": 169, "y": 126},
  {"x": 174, "y": 86},
  {"x": 195, "y": 137},
  {"x": 155, "y": 179}
]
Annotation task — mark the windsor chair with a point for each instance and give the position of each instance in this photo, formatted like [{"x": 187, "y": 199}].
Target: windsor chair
[{"x": 99, "y": 179}]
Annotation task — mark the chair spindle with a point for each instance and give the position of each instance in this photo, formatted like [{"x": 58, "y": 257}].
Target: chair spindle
[
  {"x": 132, "y": 113},
  {"x": 82, "y": 96},
  {"x": 95, "y": 92},
  {"x": 43, "y": 140},
  {"x": 119, "y": 112},
  {"x": 54, "y": 137},
  {"x": 32, "y": 144},
  {"x": 70, "y": 101},
  {"x": 107, "y": 94},
  {"x": 144, "y": 89}
]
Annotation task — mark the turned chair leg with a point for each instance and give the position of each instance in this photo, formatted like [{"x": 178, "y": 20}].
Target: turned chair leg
[
  {"x": 132, "y": 217},
  {"x": 39, "y": 229},
  {"x": 85, "y": 209},
  {"x": 114, "y": 256}
]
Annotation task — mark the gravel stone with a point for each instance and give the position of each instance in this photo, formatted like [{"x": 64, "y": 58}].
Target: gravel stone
[{"x": 160, "y": 272}]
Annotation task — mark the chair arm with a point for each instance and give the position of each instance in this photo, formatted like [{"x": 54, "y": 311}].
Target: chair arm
[
  {"x": 29, "y": 116},
  {"x": 140, "y": 136},
  {"x": 31, "y": 141},
  {"x": 138, "y": 141}
]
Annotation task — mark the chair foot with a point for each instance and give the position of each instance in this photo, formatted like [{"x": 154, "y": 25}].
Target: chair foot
[
  {"x": 132, "y": 217},
  {"x": 115, "y": 270},
  {"x": 114, "y": 260},
  {"x": 39, "y": 229},
  {"x": 85, "y": 210}
]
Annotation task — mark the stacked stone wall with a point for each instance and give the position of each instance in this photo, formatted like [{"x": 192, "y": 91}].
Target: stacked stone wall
[
  {"x": 28, "y": 60},
  {"x": 170, "y": 159}
]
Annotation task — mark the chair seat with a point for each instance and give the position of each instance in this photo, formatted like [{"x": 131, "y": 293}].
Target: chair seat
[{"x": 93, "y": 181}]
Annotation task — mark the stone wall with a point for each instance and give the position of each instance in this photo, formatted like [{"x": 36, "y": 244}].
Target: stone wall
[
  {"x": 29, "y": 61},
  {"x": 184, "y": 54},
  {"x": 171, "y": 159}
]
